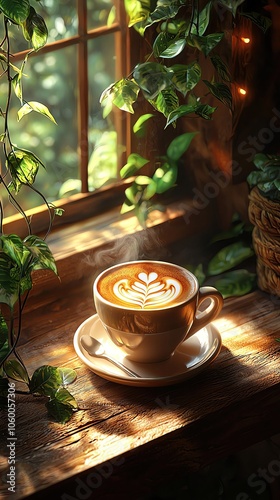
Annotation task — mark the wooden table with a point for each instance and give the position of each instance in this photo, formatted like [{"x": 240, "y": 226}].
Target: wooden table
[{"x": 126, "y": 439}]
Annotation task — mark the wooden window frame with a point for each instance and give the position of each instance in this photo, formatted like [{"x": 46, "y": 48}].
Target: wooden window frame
[{"x": 85, "y": 204}]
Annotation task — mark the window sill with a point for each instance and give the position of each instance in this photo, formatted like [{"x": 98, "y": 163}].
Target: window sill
[{"x": 97, "y": 242}]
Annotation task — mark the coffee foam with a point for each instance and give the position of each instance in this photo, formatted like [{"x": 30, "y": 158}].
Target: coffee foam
[{"x": 146, "y": 285}]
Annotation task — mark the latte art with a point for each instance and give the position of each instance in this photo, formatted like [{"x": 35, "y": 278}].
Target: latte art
[
  {"x": 145, "y": 285},
  {"x": 149, "y": 291}
]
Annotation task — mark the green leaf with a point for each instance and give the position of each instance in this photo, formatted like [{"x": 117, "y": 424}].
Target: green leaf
[
  {"x": 122, "y": 94},
  {"x": 266, "y": 177},
  {"x": 12, "y": 245},
  {"x": 10, "y": 276},
  {"x": 166, "y": 102},
  {"x": 269, "y": 189},
  {"x": 221, "y": 68},
  {"x": 131, "y": 193},
  {"x": 180, "y": 111},
  {"x": 162, "y": 42},
  {"x": 167, "y": 47},
  {"x": 205, "y": 111},
  {"x": 229, "y": 257},
  {"x": 138, "y": 12},
  {"x": 62, "y": 406},
  {"x": 262, "y": 161},
  {"x": 152, "y": 78},
  {"x": 68, "y": 376},
  {"x": 236, "y": 283},
  {"x": 231, "y": 5},
  {"x": 16, "y": 10},
  {"x": 42, "y": 255},
  {"x": 35, "y": 106},
  {"x": 26, "y": 282},
  {"x": 57, "y": 210},
  {"x": 271, "y": 194},
  {"x": 147, "y": 186},
  {"x": 165, "y": 177},
  {"x": 201, "y": 20},
  {"x": 63, "y": 396},
  {"x": 17, "y": 86},
  {"x": 127, "y": 206},
  {"x": 186, "y": 77},
  {"x": 35, "y": 30},
  {"x": 166, "y": 9},
  {"x": 23, "y": 166},
  {"x": 134, "y": 163},
  {"x": 15, "y": 370},
  {"x": 126, "y": 96},
  {"x": 45, "y": 381},
  {"x": 235, "y": 230},
  {"x": 111, "y": 16},
  {"x": 3, "y": 330},
  {"x": 205, "y": 43},
  {"x": 263, "y": 22},
  {"x": 174, "y": 27},
  {"x": 141, "y": 15},
  {"x": 179, "y": 145},
  {"x": 4, "y": 344},
  {"x": 139, "y": 127},
  {"x": 221, "y": 91}
]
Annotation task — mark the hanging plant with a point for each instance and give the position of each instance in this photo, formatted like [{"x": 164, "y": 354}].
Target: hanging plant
[
  {"x": 175, "y": 31},
  {"x": 21, "y": 257}
]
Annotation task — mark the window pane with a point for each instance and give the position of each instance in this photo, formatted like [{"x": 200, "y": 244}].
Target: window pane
[
  {"x": 98, "y": 12},
  {"x": 61, "y": 18},
  {"x": 102, "y": 135},
  {"x": 80, "y": 142},
  {"x": 51, "y": 81}
]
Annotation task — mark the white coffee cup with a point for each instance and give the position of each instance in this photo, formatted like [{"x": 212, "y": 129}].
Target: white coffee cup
[{"x": 150, "y": 307}]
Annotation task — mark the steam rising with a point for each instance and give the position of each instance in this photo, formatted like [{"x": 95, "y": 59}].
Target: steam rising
[{"x": 143, "y": 245}]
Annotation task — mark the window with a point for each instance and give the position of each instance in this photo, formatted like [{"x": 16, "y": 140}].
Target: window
[{"x": 84, "y": 54}]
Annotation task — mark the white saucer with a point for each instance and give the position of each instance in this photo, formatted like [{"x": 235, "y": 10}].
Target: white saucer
[{"x": 191, "y": 357}]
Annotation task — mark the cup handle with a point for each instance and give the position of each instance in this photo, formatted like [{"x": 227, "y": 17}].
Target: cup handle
[{"x": 205, "y": 317}]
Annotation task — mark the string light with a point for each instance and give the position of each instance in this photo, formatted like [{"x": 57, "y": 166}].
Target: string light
[
  {"x": 245, "y": 39},
  {"x": 242, "y": 91}
]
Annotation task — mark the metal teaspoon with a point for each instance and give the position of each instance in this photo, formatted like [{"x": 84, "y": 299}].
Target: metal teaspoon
[{"x": 95, "y": 348}]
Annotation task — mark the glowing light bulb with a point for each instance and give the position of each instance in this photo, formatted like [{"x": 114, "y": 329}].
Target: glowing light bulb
[
  {"x": 245, "y": 39},
  {"x": 242, "y": 91}
]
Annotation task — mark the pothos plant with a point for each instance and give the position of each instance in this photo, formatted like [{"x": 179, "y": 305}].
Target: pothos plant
[
  {"x": 180, "y": 31},
  {"x": 21, "y": 257},
  {"x": 266, "y": 175},
  {"x": 228, "y": 250}
]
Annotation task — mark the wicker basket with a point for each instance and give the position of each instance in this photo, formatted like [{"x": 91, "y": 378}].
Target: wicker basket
[
  {"x": 265, "y": 215},
  {"x": 268, "y": 280}
]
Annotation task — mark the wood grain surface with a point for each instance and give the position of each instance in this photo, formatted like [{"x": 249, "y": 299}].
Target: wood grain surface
[{"x": 125, "y": 439}]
